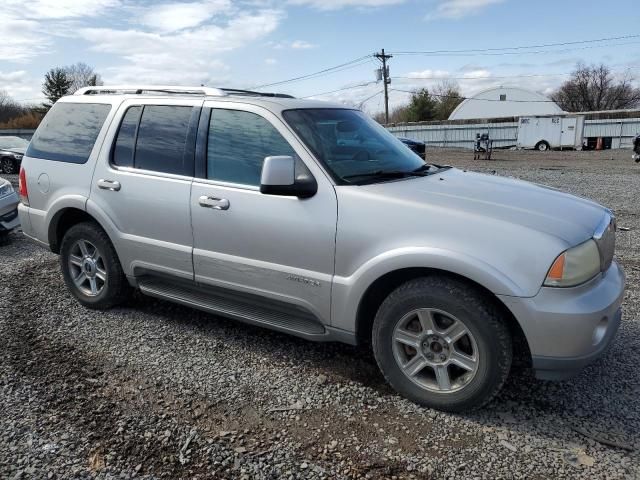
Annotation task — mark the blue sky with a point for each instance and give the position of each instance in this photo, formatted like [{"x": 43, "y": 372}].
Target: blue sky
[{"x": 244, "y": 43}]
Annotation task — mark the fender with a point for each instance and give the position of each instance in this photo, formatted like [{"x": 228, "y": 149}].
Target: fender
[
  {"x": 348, "y": 291},
  {"x": 45, "y": 222}
]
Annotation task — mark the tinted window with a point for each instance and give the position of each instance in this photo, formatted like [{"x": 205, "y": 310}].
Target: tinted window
[
  {"x": 238, "y": 143},
  {"x": 68, "y": 132},
  {"x": 123, "y": 150},
  {"x": 350, "y": 144},
  {"x": 162, "y": 137}
]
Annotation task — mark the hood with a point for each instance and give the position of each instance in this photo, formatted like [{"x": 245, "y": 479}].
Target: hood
[
  {"x": 20, "y": 150},
  {"x": 543, "y": 209}
]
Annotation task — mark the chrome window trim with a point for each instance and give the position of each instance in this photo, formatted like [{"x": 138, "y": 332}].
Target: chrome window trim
[{"x": 150, "y": 173}]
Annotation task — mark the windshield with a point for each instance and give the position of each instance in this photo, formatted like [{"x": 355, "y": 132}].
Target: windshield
[
  {"x": 354, "y": 148},
  {"x": 13, "y": 142}
]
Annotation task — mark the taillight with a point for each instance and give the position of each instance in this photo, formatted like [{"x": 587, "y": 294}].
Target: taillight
[{"x": 22, "y": 187}]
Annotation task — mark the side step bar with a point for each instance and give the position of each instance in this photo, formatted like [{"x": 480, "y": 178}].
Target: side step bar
[{"x": 240, "y": 306}]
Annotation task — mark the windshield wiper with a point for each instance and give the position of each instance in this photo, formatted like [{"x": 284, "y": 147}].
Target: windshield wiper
[{"x": 386, "y": 174}]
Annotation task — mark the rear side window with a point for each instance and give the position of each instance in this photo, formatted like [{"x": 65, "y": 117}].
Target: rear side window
[
  {"x": 162, "y": 137},
  {"x": 68, "y": 132},
  {"x": 125, "y": 142},
  {"x": 238, "y": 144}
]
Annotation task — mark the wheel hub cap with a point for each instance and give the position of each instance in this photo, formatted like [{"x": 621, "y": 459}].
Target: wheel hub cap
[{"x": 89, "y": 267}]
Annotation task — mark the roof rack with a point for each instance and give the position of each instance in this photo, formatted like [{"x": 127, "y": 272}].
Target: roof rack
[
  {"x": 235, "y": 91},
  {"x": 142, "y": 89}
]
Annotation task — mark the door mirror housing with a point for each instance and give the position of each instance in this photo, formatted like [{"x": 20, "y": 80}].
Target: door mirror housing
[{"x": 287, "y": 176}]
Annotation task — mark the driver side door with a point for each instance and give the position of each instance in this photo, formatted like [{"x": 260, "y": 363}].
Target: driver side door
[{"x": 268, "y": 247}]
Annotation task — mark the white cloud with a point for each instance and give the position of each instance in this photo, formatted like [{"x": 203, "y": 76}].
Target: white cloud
[
  {"x": 58, "y": 9},
  {"x": 21, "y": 39},
  {"x": 171, "y": 17},
  {"x": 188, "y": 56},
  {"x": 429, "y": 74},
  {"x": 270, "y": 61},
  {"x": 339, "y": 4},
  {"x": 455, "y": 9},
  {"x": 17, "y": 85},
  {"x": 301, "y": 44}
]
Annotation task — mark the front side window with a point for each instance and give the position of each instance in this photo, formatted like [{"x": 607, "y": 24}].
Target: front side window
[
  {"x": 353, "y": 147},
  {"x": 238, "y": 144},
  {"x": 68, "y": 132},
  {"x": 162, "y": 137}
]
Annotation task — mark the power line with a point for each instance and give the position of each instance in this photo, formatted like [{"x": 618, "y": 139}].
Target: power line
[
  {"x": 369, "y": 98},
  {"x": 350, "y": 64},
  {"x": 351, "y": 87},
  {"x": 521, "y": 47}
]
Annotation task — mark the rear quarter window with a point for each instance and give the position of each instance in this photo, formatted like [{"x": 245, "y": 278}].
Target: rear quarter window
[{"x": 68, "y": 132}]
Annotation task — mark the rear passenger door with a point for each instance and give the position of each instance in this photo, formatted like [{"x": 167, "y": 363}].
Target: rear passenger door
[{"x": 142, "y": 182}]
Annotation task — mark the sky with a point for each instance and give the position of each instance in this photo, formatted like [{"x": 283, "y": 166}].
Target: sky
[{"x": 249, "y": 43}]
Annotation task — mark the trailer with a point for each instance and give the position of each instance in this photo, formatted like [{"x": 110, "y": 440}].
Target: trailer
[{"x": 545, "y": 132}]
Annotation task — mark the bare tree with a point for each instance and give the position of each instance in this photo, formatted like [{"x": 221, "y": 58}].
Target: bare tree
[
  {"x": 82, "y": 75},
  {"x": 448, "y": 97},
  {"x": 594, "y": 87},
  {"x": 9, "y": 108}
]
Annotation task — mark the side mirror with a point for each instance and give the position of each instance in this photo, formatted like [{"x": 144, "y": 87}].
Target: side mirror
[{"x": 284, "y": 175}]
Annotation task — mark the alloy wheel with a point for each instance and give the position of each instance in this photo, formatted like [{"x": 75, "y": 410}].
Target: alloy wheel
[
  {"x": 435, "y": 350},
  {"x": 87, "y": 268}
]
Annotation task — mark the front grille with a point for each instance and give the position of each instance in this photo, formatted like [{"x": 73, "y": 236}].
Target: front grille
[{"x": 605, "y": 237}]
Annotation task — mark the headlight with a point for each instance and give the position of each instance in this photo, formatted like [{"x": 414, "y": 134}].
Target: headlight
[
  {"x": 5, "y": 189},
  {"x": 575, "y": 266},
  {"x": 17, "y": 156}
]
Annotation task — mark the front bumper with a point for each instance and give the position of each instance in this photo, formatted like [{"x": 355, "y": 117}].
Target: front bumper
[
  {"x": 568, "y": 328},
  {"x": 9, "y": 212}
]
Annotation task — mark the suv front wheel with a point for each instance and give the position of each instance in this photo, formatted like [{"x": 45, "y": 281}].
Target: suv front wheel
[
  {"x": 91, "y": 268},
  {"x": 441, "y": 344}
]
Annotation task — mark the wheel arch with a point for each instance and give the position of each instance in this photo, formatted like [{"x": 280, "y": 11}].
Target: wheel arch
[
  {"x": 62, "y": 221},
  {"x": 377, "y": 291}
]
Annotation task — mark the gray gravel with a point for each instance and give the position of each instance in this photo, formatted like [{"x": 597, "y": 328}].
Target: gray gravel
[{"x": 155, "y": 390}]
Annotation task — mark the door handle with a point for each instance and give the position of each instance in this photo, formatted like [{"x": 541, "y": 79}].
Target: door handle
[
  {"x": 111, "y": 185},
  {"x": 213, "y": 202}
]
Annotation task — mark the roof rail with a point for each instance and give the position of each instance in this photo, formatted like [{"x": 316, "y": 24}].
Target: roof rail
[
  {"x": 235, "y": 91},
  {"x": 141, "y": 89}
]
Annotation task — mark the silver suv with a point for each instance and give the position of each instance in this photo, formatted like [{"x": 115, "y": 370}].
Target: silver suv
[{"x": 311, "y": 219}]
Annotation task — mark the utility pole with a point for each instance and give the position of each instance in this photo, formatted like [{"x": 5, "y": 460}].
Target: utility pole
[{"x": 387, "y": 80}]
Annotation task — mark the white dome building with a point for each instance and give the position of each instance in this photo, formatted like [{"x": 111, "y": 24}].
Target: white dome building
[{"x": 505, "y": 102}]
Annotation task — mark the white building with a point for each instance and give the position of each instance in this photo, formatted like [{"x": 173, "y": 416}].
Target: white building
[{"x": 505, "y": 102}]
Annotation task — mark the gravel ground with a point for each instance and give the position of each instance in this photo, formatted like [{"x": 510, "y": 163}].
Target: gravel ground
[{"x": 155, "y": 390}]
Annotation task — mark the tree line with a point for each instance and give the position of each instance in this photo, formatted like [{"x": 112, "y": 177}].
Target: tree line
[
  {"x": 589, "y": 88},
  {"x": 58, "y": 82}
]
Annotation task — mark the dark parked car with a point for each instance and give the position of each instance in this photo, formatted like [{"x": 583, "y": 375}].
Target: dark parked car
[
  {"x": 11, "y": 151},
  {"x": 415, "y": 145}
]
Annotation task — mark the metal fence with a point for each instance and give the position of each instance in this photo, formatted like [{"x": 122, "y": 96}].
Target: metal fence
[{"x": 505, "y": 134}]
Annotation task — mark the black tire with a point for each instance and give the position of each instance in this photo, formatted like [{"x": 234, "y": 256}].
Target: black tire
[
  {"x": 543, "y": 146},
  {"x": 480, "y": 317},
  {"x": 8, "y": 165},
  {"x": 115, "y": 288}
]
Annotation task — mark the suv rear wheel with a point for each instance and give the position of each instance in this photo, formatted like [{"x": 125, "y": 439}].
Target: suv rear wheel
[
  {"x": 439, "y": 343},
  {"x": 91, "y": 268}
]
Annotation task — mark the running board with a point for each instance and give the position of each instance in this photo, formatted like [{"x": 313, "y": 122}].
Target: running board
[{"x": 248, "y": 308}]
